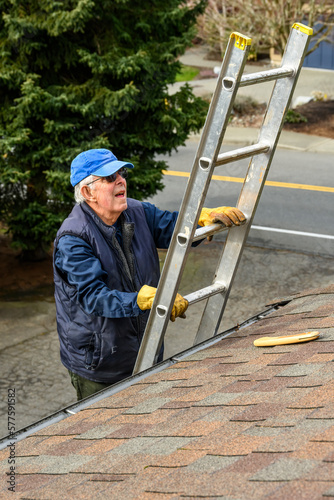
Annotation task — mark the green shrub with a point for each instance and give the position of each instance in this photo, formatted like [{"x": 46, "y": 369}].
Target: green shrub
[{"x": 293, "y": 116}]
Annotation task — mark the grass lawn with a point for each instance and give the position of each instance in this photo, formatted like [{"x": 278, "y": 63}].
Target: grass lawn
[{"x": 186, "y": 74}]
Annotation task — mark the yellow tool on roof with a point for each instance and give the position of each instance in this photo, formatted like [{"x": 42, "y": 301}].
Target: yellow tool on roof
[{"x": 289, "y": 339}]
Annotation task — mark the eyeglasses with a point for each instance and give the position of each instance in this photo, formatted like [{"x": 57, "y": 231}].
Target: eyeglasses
[{"x": 123, "y": 172}]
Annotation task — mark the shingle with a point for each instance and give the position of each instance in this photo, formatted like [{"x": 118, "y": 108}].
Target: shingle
[
  {"x": 78, "y": 423},
  {"x": 265, "y": 358},
  {"x": 147, "y": 418},
  {"x": 314, "y": 427},
  {"x": 288, "y": 417},
  {"x": 258, "y": 412},
  {"x": 133, "y": 489},
  {"x": 327, "y": 336},
  {"x": 317, "y": 397},
  {"x": 179, "y": 458},
  {"x": 179, "y": 428},
  {"x": 48, "y": 464},
  {"x": 259, "y": 430},
  {"x": 238, "y": 370},
  {"x": 221, "y": 413},
  {"x": 211, "y": 463},
  {"x": 148, "y": 406},
  {"x": 314, "y": 451},
  {"x": 99, "y": 432},
  {"x": 90, "y": 489},
  {"x": 327, "y": 346},
  {"x": 55, "y": 486},
  {"x": 308, "y": 323},
  {"x": 325, "y": 436},
  {"x": 241, "y": 386},
  {"x": 98, "y": 447},
  {"x": 157, "y": 387},
  {"x": 155, "y": 496},
  {"x": 177, "y": 405},
  {"x": 330, "y": 456},
  {"x": 213, "y": 352},
  {"x": 282, "y": 397},
  {"x": 113, "y": 463},
  {"x": 181, "y": 483},
  {"x": 288, "y": 441},
  {"x": 217, "y": 399},
  {"x": 321, "y": 357},
  {"x": 253, "y": 462},
  {"x": 29, "y": 482},
  {"x": 276, "y": 384},
  {"x": 38, "y": 445},
  {"x": 266, "y": 372},
  {"x": 69, "y": 447},
  {"x": 220, "y": 484},
  {"x": 300, "y": 370},
  {"x": 324, "y": 472},
  {"x": 329, "y": 492},
  {"x": 299, "y": 489},
  {"x": 151, "y": 445},
  {"x": 197, "y": 393},
  {"x": 130, "y": 430},
  {"x": 239, "y": 445},
  {"x": 323, "y": 310},
  {"x": 298, "y": 305},
  {"x": 285, "y": 469}
]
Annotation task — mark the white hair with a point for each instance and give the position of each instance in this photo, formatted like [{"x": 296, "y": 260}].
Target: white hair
[{"x": 79, "y": 198}]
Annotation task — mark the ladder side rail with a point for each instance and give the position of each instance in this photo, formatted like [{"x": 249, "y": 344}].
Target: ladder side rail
[
  {"x": 254, "y": 182},
  {"x": 193, "y": 200}
]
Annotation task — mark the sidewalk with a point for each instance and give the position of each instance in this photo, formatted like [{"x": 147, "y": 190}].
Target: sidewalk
[{"x": 309, "y": 80}]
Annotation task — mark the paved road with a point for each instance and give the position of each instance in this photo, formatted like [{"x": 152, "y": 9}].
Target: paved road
[{"x": 294, "y": 211}]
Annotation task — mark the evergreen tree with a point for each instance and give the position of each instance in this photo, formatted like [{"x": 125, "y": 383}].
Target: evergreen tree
[{"x": 81, "y": 74}]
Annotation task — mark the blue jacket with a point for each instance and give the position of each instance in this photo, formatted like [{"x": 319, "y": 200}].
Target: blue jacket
[{"x": 98, "y": 271}]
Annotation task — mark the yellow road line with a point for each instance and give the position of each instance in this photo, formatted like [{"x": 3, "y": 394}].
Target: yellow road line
[{"x": 289, "y": 185}]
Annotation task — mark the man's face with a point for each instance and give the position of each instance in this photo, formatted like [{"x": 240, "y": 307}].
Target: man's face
[{"x": 109, "y": 198}]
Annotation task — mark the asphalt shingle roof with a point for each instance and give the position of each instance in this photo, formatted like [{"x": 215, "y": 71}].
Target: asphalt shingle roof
[{"x": 232, "y": 421}]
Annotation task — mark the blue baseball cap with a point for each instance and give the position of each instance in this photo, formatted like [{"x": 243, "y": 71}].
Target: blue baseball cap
[{"x": 99, "y": 162}]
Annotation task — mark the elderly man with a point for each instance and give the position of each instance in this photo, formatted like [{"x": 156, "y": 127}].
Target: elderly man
[{"x": 106, "y": 270}]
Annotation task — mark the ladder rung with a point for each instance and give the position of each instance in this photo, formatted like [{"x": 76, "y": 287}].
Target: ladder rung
[
  {"x": 266, "y": 76},
  {"x": 235, "y": 155},
  {"x": 204, "y": 232},
  {"x": 205, "y": 293},
  {"x": 239, "y": 154}
]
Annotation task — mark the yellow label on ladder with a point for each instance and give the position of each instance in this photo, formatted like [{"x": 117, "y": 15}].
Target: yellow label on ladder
[
  {"x": 304, "y": 29},
  {"x": 241, "y": 41}
]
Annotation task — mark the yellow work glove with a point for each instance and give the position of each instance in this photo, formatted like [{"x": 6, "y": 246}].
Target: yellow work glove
[
  {"x": 224, "y": 215},
  {"x": 146, "y": 296},
  {"x": 179, "y": 308}
]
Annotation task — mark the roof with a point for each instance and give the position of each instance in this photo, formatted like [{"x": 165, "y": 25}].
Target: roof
[{"x": 230, "y": 421}]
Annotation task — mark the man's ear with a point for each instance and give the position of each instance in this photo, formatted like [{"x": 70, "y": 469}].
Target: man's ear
[{"x": 87, "y": 193}]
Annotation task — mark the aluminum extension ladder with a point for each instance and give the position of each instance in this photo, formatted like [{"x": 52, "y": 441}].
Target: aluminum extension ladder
[{"x": 207, "y": 158}]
